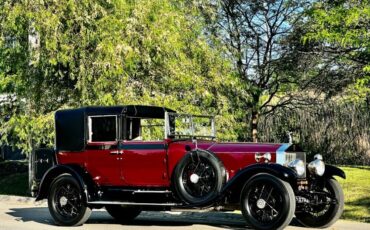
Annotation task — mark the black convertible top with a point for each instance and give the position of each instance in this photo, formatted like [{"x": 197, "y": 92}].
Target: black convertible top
[{"x": 71, "y": 124}]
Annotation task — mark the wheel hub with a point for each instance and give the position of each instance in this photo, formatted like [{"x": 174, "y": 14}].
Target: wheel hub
[
  {"x": 63, "y": 201},
  {"x": 194, "y": 178},
  {"x": 261, "y": 203}
]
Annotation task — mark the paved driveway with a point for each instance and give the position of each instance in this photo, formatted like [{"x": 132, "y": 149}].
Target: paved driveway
[{"x": 24, "y": 214}]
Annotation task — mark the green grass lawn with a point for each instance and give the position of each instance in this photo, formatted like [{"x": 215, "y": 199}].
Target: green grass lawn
[{"x": 356, "y": 190}]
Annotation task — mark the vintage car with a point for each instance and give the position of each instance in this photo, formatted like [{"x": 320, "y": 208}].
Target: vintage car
[{"x": 134, "y": 158}]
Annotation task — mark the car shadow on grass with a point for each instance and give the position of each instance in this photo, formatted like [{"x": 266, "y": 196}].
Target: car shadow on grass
[{"x": 223, "y": 220}]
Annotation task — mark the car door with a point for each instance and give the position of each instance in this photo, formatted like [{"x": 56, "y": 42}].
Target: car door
[
  {"x": 144, "y": 163},
  {"x": 104, "y": 156}
]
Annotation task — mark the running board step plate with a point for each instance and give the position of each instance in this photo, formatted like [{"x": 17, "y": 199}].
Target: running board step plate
[
  {"x": 141, "y": 191},
  {"x": 132, "y": 203}
]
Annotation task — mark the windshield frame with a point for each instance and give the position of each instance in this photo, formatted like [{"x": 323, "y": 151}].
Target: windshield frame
[{"x": 168, "y": 133}]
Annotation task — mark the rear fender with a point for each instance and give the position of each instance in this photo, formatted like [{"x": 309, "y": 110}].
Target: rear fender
[
  {"x": 236, "y": 184},
  {"x": 82, "y": 177}
]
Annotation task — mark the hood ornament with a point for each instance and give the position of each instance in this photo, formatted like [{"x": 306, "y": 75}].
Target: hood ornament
[{"x": 290, "y": 137}]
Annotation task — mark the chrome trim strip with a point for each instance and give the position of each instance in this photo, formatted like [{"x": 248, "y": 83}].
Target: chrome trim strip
[
  {"x": 132, "y": 203},
  {"x": 280, "y": 153},
  {"x": 151, "y": 191}
]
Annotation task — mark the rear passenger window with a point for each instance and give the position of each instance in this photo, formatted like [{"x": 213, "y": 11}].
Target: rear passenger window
[
  {"x": 142, "y": 129},
  {"x": 102, "y": 128}
]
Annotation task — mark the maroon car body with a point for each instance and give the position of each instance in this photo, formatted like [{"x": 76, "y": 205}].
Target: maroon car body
[
  {"x": 99, "y": 162},
  {"x": 151, "y": 164}
]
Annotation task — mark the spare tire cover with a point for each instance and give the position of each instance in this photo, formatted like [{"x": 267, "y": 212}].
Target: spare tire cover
[{"x": 199, "y": 177}]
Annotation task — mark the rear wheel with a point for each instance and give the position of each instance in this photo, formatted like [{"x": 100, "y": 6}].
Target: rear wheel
[
  {"x": 199, "y": 177},
  {"x": 65, "y": 201},
  {"x": 123, "y": 214},
  {"x": 267, "y": 202},
  {"x": 326, "y": 209}
]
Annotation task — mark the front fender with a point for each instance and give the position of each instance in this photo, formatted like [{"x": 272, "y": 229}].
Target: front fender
[
  {"x": 331, "y": 171},
  {"x": 48, "y": 178},
  {"x": 237, "y": 182}
]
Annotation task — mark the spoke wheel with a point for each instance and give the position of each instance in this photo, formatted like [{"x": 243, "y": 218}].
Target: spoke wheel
[
  {"x": 199, "y": 177},
  {"x": 267, "y": 202},
  {"x": 65, "y": 202},
  {"x": 327, "y": 209}
]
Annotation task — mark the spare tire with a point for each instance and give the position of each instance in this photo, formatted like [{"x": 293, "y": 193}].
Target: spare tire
[{"x": 199, "y": 177}]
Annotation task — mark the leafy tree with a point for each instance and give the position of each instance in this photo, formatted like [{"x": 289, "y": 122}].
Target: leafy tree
[
  {"x": 61, "y": 54},
  {"x": 341, "y": 28},
  {"x": 260, "y": 40}
]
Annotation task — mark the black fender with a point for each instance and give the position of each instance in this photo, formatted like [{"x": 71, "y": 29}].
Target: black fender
[
  {"x": 236, "y": 183},
  {"x": 83, "y": 178},
  {"x": 331, "y": 171}
]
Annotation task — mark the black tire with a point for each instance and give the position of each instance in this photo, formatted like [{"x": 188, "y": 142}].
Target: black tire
[
  {"x": 66, "y": 202},
  {"x": 325, "y": 215},
  {"x": 267, "y": 202},
  {"x": 209, "y": 173},
  {"x": 123, "y": 214}
]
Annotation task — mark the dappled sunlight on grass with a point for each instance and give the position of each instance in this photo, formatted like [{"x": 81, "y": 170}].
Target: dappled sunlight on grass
[{"x": 356, "y": 193}]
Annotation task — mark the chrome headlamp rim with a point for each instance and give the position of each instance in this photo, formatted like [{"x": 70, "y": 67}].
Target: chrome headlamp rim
[
  {"x": 316, "y": 167},
  {"x": 318, "y": 157},
  {"x": 299, "y": 166}
]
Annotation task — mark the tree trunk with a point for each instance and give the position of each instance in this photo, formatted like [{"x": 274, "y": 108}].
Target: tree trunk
[{"x": 254, "y": 123}]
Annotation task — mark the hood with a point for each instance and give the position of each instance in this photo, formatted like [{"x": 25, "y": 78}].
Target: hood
[{"x": 245, "y": 147}]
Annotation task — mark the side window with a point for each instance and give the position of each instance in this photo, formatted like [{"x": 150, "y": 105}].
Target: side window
[
  {"x": 144, "y": 129},
  {"x": 133, "y": 131},
  {"x": 102, "y": 128}
]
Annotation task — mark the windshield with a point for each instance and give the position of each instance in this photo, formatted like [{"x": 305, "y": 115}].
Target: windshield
[{"x": 186, "y": 125}]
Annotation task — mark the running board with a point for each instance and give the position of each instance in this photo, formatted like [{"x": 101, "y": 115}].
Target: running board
[
  {"x": 140, "y": 191},
  {"x": 151, "y": 191},
  {"x": 133, "y": 203}
]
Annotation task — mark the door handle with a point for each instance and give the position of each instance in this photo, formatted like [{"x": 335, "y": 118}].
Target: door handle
[
  {"x": 116, "y": 152},
  {"x": 41, "y": 161}
]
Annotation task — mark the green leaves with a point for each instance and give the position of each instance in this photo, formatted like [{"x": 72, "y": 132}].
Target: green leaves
[
  {"x": 343, "y": 24},
  {"x": 78, "y": 53},
  {"x": 343, "y": 28}
]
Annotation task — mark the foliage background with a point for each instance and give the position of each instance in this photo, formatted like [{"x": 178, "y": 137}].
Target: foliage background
[{"x": 66, "y": 54}]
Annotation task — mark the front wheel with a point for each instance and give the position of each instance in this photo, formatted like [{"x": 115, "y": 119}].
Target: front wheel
[
  {"x": 267, "y": 202},
  {"x": 326, "y": 209},
  {"x": 65, "y": 201},
  {"x": 123, "y": 214}
]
